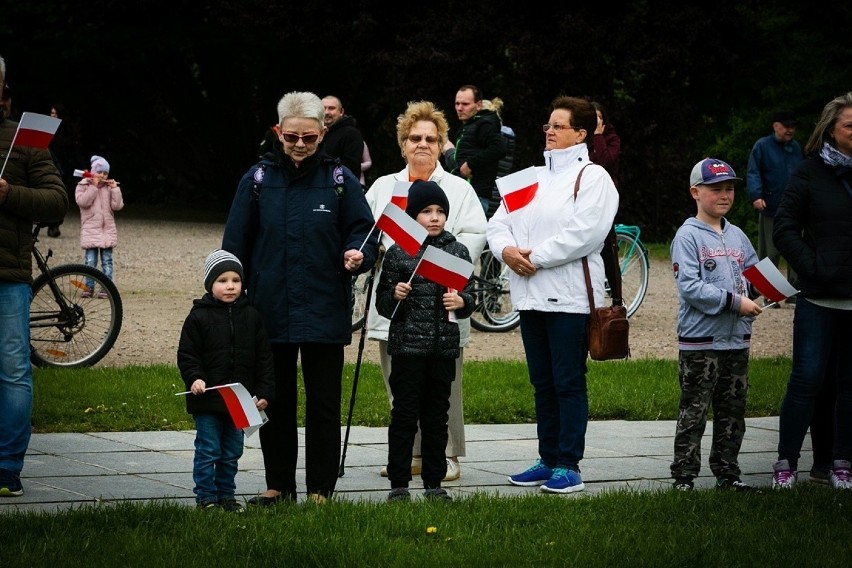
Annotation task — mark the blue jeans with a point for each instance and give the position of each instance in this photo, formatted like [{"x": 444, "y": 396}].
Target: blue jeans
[
  {"x": 16, "y": 375},
  {"x": 91, "y": 259},
  {"x": 821, "y": 339},
  {"x": 556, "y": 347},
  {"x": 218, "y": 448}
]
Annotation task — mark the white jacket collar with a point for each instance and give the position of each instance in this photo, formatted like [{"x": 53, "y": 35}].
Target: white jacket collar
[{"x": 566, "y": 158}]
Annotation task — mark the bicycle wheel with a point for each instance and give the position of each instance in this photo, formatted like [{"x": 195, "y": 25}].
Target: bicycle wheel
[
  {"x": 360, "y": 285},
  {"x": 633, "y": 259},
  {"x": 75, "y": 316},
  {"x": 494, "y": 310}
]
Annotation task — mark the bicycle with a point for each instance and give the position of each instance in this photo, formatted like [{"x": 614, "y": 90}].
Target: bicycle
[
  {"x": 635, "y": 266},
  {"x": 75, "y": 313},
  {"x": 493, "y": 310}
]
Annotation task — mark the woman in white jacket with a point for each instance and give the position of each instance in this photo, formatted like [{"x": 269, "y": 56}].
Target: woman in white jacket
[
  {"x": 421, "y": 132},
  {"x": 544, "y": 243}
]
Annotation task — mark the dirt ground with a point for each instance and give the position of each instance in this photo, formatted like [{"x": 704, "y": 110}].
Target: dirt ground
[{"x": 158, "y": 268}]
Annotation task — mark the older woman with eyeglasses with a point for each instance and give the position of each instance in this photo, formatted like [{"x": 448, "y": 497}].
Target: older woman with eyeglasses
[
  {"x": 421, "y": 132},
  {"x": 297, "y": 223},
  {"x": 544, "y": 243}
]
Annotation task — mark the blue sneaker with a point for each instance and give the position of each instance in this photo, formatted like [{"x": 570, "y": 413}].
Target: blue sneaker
[
  {"x": 563, "y": 481},
  {"x": 10, "y": 484},
  {"x": 536, "y": 475}
]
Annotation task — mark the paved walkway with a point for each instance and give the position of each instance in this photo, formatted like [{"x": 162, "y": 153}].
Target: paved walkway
[{"x": 69, "y": 470}]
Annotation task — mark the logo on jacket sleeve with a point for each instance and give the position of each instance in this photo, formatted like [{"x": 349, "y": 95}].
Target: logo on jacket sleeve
[
  {"x": 338, "y": 174},
  {"x": 258, "y": 175}
]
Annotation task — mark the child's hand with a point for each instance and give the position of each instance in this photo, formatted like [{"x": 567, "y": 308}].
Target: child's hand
[
  {"x": 452, "y": 300},
  {"x": 261, "y": 404},
  {"x": 749, "y": 307},
  {"x": 198, "y": 387},
  {"x": 401, "y": 291}
]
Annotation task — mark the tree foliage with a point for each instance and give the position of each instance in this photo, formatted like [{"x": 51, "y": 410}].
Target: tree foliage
[{"x": 179, "y": 94}]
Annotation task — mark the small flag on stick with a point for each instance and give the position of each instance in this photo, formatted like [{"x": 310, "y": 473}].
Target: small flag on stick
[
  {"x": 34, "y": 130},
  {"x": 518, "y": 189},
  {"x": 444, "y": 268},
  {"x": 399, "y": 197},
  {"x": 241, "y": 406},
  {"x": 405, "y": 231},
  {"x": 769, "y": 281}
]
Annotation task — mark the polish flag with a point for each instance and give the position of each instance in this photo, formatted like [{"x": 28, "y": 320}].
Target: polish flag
[
  {"x": 36, "y": 130},
  {"x": 444, "y": 268},
  {"x": 518, "y": 189},
  {"x": 405, "y": 231},
  {"x": 399, "y": 197},
  {"x": 241, "y": 406},
  {"x": 769, "y": 281}
]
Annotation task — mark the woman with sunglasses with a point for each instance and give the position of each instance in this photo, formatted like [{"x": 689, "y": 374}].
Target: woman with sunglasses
[
  {"x": 421, "y": 132},
  {"x": 297, "y": 223},
  {"x": 544, "y": 243}
]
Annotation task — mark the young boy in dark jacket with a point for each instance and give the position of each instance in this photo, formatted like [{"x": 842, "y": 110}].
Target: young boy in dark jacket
[
  {"x": 222, "y": 341},
  {"x": 423, "y": 342}
]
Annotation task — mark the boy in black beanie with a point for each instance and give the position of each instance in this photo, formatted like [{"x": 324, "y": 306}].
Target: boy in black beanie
[
  {"x": 222, "y": 341},
  {"x": 423, "y": 342}
]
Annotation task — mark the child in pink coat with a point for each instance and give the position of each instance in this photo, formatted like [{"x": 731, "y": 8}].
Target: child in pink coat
[{"x": 98, "y": 198}]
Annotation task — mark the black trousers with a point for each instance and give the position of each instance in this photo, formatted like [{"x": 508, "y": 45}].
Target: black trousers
[
  {"x": 421, "y": 392},
  {"x": 322, "y": 369}
]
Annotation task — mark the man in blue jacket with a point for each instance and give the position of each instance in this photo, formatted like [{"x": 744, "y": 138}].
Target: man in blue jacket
[{"x": 773, "y": 158}]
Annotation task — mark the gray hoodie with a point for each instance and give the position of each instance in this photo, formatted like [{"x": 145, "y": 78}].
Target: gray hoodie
[{"x": 708, "y": 271}]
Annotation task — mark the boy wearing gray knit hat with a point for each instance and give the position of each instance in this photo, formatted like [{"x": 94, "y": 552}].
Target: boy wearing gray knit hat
[{"x": 222, "y": 341}]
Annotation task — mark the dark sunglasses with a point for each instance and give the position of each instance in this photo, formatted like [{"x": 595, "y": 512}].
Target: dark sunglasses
[
  {"x": 293, "y": 138},
  {"x": 416, "y": 138}
]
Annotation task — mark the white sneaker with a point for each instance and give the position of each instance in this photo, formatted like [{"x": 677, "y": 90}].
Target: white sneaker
[
  {"x": 841, "y": 475},
  {"x": 453, "y": 470},
  {"x": 416, "y": 467}
]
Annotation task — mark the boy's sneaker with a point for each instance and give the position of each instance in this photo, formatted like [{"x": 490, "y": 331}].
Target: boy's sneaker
[
  {"x": 209, "y": 506},
  {"x": 10, "y": 484},
  {"x": 536, "y": 475},
  {"x": 231, "y": 505},
  {"x": 841, "y": 476},
  {"x": 784, "y": 476},
  {"x": 563, "y": 481},
  {"x": 399, "y": 494},
  {"x": 683, "y": 484},
  {"x": 820, "y": 475},
  {"x": 731, "y": 482},
  {"x": 437, "y": 494}
]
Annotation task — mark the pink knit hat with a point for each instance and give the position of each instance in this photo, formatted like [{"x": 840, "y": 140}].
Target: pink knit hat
[{"x": 99, "y": 164}]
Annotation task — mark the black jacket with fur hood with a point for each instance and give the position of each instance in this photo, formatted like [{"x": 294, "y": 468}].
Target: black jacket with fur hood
[{"x": 224, "y": 343}]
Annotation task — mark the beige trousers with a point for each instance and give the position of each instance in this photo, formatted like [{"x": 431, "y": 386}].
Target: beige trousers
[{"x": 455, "y": 425}]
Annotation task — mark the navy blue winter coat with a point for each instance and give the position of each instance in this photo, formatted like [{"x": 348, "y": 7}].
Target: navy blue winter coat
[{"x": 291, "y": 242}]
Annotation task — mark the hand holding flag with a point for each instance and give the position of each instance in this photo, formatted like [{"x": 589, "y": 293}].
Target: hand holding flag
[
  {"x": 769, "y": 281},
  {"x": 518, "y": 189}
]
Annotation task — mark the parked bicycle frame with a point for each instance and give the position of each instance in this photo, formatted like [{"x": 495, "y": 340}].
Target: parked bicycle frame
[{"x": 75, "y": 313}]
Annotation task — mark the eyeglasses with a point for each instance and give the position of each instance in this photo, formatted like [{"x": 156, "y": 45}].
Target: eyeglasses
[
  {"x": 292, "y": 138},
  {"x": 416, "y": 138},
  {"x": 559, "y": 127}
]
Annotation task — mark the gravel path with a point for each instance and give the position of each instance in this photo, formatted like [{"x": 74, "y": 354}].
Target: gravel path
[{"x": 158, "y": 268}]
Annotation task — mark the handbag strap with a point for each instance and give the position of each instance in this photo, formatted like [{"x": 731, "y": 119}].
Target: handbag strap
[{"x": 585, "y": 259}]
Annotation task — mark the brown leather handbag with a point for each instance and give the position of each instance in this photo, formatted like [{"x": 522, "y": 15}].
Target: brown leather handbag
[{"x": 608, "y": 328}]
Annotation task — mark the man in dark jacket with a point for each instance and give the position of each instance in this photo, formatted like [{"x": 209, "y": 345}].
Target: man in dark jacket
[
  {"x": 343, "y": 140},
  {"x": 479, "y": 144},
  {"x": 30, "y": 190}
]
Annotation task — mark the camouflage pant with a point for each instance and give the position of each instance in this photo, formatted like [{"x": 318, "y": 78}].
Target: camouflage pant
[{"x": 710, "y": 377}]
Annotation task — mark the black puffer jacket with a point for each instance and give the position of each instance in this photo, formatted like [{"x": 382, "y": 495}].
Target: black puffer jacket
[
  {"x": 420, "y": 327},
  {"x": 220, "y": 344},
  {"x": 813, "y": 228}
]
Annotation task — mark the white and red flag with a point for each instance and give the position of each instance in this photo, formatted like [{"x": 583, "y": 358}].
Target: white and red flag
[
  {"x": 405, "y": 231},
  {"x": 241, "y": 406},
  {"x": 769, "y": 281},
  {"x": 444, "y": 268},
  {"x": 399, "y": 197},
  {"x": 36, "y": 130},
  {"x": 518, "y": 189}
]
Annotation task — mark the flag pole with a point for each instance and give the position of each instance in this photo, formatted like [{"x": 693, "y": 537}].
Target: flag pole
[
  {"x": 9, "y": 153},
  {"x": 358, "y": 364}
]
